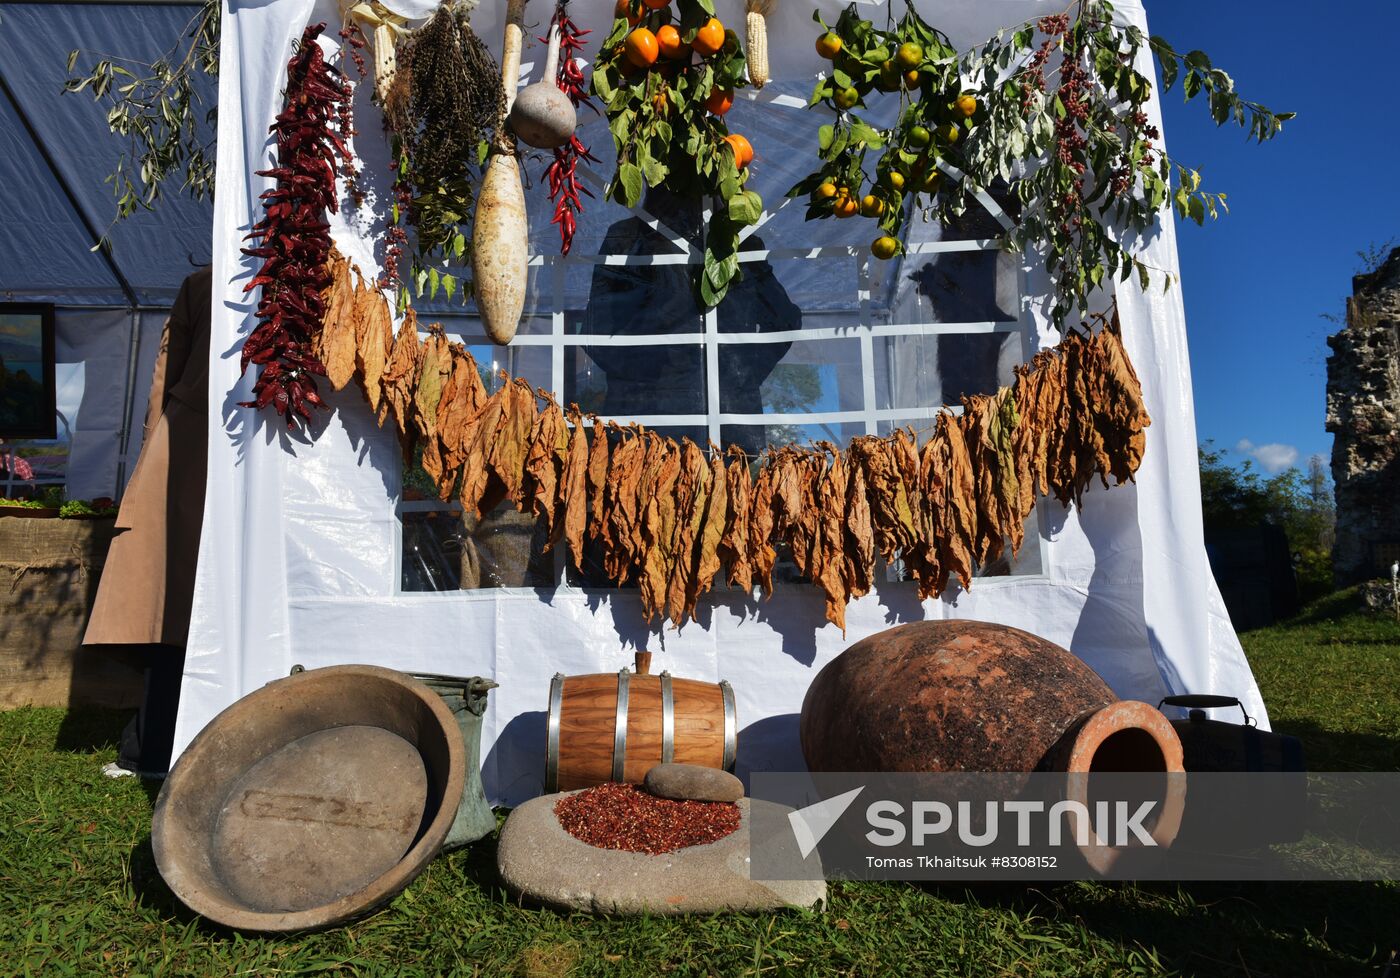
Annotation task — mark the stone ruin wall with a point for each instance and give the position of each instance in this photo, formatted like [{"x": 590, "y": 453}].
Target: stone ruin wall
[{"x": 1363, "y": 414}]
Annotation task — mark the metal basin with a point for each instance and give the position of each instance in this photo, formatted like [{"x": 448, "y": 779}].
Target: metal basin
[{"x": 311, "y": 801}]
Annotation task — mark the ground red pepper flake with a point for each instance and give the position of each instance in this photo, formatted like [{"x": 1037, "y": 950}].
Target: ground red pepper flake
[{"x": 624, "y": 816}]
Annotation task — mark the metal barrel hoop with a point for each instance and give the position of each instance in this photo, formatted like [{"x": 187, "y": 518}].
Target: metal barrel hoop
[
  {"x": 551, "y": 761},
  {"x": 619, "y": 758},
  {"x": 731, "y": 725},
  {"x": 668, "y": 720}
]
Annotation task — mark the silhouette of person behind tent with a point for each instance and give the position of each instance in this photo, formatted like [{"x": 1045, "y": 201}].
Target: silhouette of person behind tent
[
  {"x": 630, "y": 300},
  {"x": 627, "y": 300}
]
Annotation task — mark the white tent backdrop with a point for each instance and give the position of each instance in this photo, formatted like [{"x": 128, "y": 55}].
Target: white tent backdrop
[{"x": 299, "y": 559}]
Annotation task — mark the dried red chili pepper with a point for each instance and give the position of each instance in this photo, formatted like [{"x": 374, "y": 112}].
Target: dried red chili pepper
[
  {"x": 294, "y": 236},
  {"x": 624, "y": 816},
  {"x": 563, "y": 185}
]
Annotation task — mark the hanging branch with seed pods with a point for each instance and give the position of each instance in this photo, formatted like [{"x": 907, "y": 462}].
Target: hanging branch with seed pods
[{"x": 562, "y": 176}]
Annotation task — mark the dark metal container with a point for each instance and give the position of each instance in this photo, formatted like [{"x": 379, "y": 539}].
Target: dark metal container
[{"x": 1215, "y": 747}]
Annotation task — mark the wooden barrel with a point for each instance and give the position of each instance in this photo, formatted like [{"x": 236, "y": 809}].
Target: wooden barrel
[{"x": 617, "y": 726}]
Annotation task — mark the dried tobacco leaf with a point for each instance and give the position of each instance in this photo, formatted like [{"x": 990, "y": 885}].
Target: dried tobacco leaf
[
  {"x": 830, "y": 485},
  {"x": 434, "y": 369},
  {"x": 760, "y": 522},
  {"x": 1123, "y": 415},
  {"x": 544, "y": 463},
  {"x": 1001, "y": 435},
  {"x": 974, "y": 423},
  {"x": 734, "y": 545},
  {"x": 960, "y": 513},
  {"x": 458, "y": 411},
  {"x": 597, "y": 474},
  {"x": 621, "y": 507},
  {"x": 573, "y": 489},
  {"x": 335, "y": 344},
  {"x": 400, "y": 374},
  {"x": 479, "y": 493},
  {"x": 374, "y": 342},
  {"x": 716, "y": 522},
  {"x": 859, "y": 536},
  {"x": 659, "y": 491},
  {"x": 692, "y": 495},
  {"x": 506, "y": 454}
]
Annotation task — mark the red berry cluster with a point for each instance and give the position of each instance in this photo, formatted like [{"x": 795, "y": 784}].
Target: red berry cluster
[
  {"x": 352, "y": 44},
  {"x": 396, "y": 236},
  {"x": 564, "y": 188},
  {"x": 295, "y": 236},
  {"x": 1122, "y": 178}
]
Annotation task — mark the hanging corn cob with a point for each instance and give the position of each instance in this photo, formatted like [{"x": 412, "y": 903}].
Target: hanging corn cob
[
  {"x": 756, "y": 42},
  {"x": 385, "y": 27}
]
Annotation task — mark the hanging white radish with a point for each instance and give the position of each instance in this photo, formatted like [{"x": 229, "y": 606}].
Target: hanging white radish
[{"x": 500, "y": 249}]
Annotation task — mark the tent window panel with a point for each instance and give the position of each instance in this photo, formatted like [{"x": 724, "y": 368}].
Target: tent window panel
[
  {"x": 626, "y": 382},
  {"x": 813, "y": 284},
  {"x": 940, "y": 369},
  {"x": 810, "y": 376},
  {"x": 777, "y": 435},
  {"x": 957, "y": 287}
]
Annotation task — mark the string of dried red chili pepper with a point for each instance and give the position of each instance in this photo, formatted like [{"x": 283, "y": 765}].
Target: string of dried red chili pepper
[
  {"x": 564, "y": 188},
  {"x": 295, "y": 237}
]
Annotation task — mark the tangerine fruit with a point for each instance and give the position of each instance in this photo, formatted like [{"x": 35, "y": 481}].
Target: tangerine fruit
[
  {"x": 967, "y": 105},
  {"x": 884, "y": 247},
  {"x": 845, "y": 207},
  {"x": 846, "y": 97},
  {"x": 829, "y": 46},
  {"x": 825, "y": 190},
  {"x": 909, "y": 55},
  {"x": 871, "y": 206}
]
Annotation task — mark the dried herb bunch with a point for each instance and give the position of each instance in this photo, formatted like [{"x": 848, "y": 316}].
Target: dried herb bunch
[
  {"x": 673, "y": 519},
  {"x": 295, "y": 241},
  {"x": 440, "y": 107}
]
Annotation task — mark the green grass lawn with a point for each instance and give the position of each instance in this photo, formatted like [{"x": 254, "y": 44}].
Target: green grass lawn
[{"x": 79, "y": 893}]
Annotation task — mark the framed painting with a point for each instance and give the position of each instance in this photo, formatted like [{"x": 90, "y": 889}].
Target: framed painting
[{"x": 26, "y": 371}]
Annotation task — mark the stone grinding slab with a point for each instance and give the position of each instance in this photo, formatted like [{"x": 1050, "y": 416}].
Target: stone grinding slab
[
  {"x": 320, "y": 818},
  {"x": 540, "y": 862}
]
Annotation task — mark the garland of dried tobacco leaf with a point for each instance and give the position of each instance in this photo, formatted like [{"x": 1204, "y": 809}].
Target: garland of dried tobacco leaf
[{"x": 668, "y": 517}]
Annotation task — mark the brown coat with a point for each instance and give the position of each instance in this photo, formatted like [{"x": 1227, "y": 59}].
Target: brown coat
[{"x": 148, "y": 581}]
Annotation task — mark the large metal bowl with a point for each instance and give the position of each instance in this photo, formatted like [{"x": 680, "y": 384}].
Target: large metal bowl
[{"x": 311, "y": 801}]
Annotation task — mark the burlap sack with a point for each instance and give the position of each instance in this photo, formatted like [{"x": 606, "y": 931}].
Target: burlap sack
[{"x": 48, "y": 578}]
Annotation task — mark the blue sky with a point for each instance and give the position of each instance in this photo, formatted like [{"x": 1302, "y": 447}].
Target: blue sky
[{"x": 1257, "y": 281}]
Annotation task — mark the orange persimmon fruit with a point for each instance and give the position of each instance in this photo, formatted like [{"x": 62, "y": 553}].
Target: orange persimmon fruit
[
  {"x": 642, "y": 48},
  {"x": 709, "y": 38},
  {"x": 742, "y": 148}
]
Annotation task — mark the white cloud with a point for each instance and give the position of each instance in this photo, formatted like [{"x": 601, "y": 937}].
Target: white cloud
[{"x": 1272, "y": 458}]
